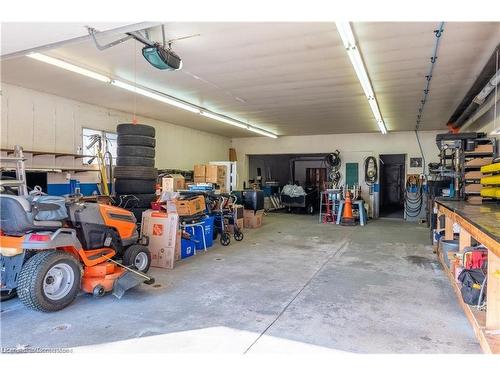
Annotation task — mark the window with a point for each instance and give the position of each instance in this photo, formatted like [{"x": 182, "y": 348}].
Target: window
[{"x": 109, "y": 144}]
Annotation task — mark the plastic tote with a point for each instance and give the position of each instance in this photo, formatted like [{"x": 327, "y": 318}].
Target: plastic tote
[
  {"x": 187, "y": 248},
  {"x": 197, "y": 236}
]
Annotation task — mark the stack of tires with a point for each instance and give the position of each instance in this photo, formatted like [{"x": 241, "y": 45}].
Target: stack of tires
[{"x": 135, "y": 174}]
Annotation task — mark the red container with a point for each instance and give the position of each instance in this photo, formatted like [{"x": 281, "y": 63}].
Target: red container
[{"x": 156, "y": 206}]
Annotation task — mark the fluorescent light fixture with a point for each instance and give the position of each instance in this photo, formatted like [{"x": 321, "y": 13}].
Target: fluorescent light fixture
[
  {"x": 156, "y": 96},
  {"x": 238, "y": 124},
  {"x": 149, "y": 93},
  {"x": 347, "y": 36},
  {"x": 227, "y": 120},
  {"x": 262, "y": 132},
  {"x": 68, "y": 66}
]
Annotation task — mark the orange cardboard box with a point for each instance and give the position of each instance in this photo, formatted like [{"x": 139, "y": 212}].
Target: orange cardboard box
[
  {"x": 199, "y": 170},
  {"x": 190, "y": 206},
  {"x": 172, "y": 182}
]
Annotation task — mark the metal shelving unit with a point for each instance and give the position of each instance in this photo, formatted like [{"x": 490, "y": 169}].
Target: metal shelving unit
[{"x": 482, "y": 155}]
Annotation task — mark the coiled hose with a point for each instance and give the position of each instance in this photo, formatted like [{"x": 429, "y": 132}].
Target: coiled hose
[{"x": 413, "y": 200}]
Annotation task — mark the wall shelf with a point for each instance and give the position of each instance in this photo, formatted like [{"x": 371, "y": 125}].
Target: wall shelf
[{"x": 41, "y": 153}]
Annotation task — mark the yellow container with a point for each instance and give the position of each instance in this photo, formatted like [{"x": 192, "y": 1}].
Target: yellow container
[
  {"x": 490, "y": 168},
  {"x": 491, "y": 192},
  {"x": 491, "y": 180}
]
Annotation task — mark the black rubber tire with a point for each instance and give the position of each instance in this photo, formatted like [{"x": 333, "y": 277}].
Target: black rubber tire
[
  {"x": 136, "y": 151},
  {"x": 135, "y": 129},
  {"x": 225, "y": 239},
  {"x": 31, "y": 277},
  {"x": 134, "y": 186},
  {"x": 138, "y": 213},
  {"x": 238, "y": 235},
  {"x": 6, "y": 296},
  {"x": 135, "y": 173},
  {"x": 136, "y": 140},
  {"x": 129, "y": 201},
  {"x": 133, "y": 161},
  {"x": 130, "y": 254}
]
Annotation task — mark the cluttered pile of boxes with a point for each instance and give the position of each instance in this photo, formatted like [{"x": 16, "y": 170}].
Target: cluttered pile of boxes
[
  {"x": 206, "y": 174},
  {"x": 186, "y": 221},
  {"x": 169, "y": 238}
]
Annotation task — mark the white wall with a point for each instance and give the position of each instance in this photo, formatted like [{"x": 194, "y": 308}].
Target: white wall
[
  {"x": 353, "y": 148},
  {"x": 43, "y": 122}
]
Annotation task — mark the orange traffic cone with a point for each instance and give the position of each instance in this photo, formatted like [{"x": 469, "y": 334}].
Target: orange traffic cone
[{"x": 347, "y": 217}]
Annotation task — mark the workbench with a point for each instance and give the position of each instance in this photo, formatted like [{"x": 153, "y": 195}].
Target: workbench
[{"x": 481, "y": 223}]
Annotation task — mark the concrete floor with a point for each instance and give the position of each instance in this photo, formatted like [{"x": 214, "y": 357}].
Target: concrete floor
[{"x": 291, "y": 286}]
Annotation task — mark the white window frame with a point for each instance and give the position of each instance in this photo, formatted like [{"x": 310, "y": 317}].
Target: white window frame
[{"x": 110, "y": 145}]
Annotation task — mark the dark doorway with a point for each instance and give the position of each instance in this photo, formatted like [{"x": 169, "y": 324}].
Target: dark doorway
[
  {"x": 392, "y": 185},
  {"x": 32, "y": 179},
  {"x": 316, "y": 177}
]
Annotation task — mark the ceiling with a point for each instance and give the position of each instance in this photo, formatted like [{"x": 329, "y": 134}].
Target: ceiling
[{"x": 289, "y": 78}]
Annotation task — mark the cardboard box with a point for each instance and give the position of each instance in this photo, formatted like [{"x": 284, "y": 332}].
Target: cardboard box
[
  {"x": 191, "y": 206},
  {"x": 161, "y": 229},
  {"x": 239, "y": 222},
  {"x": 484, "y": 148},
  {"x": 199, "y": 170},
  {"x": 473, "y": 188},
  {"x": 232, "y": 154},
  {"x": 215, "y": 173},
  {"x": 238, "y": 211},
  {"x": 211, "y": 173},
  {"x": 252, "y": 219},
  {"x": 221, "y": 171},
  {"x": 478, "y": 162},
  {"x": 171, "y": 207},
  {"x": 473, "y": 175},
  {"x": 199, "y": 179},
  {"x": 173, "y": 182}
]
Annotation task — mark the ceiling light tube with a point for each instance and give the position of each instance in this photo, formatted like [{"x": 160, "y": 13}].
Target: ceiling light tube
[
  {"x": 347, "y": 36},
  {"x": 149, "y": 93},
  {"x": 72, "y": 68},
  {"x": 262, "y": 132},
  {"x": 229, "y": 121},
  {"x": 360, "y": 70},
  {"x": 238, "y": 124},
  {"x": 156, "y": 96}
]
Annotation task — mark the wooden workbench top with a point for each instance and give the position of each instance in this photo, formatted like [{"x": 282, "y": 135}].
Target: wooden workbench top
[{"x": 485, "y": 217}]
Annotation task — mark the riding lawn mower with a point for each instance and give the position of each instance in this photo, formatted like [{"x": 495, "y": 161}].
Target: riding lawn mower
[{"x": 51, "y": 247}]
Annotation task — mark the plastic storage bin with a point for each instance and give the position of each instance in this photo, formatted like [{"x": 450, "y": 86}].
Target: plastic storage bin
[
  {"x": 188, "y": 248},
  {"x": 196, "y": 234}
]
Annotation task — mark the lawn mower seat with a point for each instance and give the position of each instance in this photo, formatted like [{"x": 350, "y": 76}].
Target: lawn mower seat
[{"x": 18, "y": 218}]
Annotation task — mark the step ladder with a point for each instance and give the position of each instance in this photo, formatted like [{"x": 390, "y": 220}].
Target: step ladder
[
  {"x": 328, "y": 205},
  {"x": 20, "y": 182}
]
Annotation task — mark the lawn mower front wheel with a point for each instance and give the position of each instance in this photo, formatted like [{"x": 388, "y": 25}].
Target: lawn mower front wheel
[{"x": 137, "y": 256}]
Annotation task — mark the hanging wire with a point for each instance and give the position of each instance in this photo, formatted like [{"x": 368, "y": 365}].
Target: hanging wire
[
  {"x": 438, "y": 33},
  {"x": 134, "y": 119},
  {"x": 413, "y": 199},
  {"x": 495, "y": 131}
]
